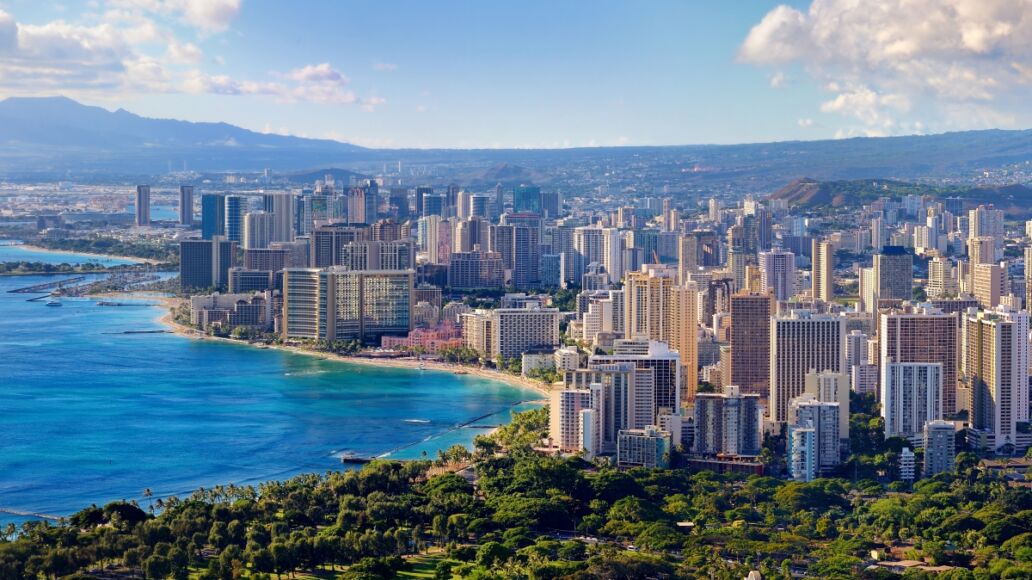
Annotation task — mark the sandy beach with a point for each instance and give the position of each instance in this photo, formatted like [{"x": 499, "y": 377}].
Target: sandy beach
[{"x": 407, "y": 363}]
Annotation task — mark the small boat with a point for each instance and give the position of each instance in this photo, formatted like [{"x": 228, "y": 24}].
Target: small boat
[
  {"x": 53, "y": 303},
  {"x": 462, "y": 372}
]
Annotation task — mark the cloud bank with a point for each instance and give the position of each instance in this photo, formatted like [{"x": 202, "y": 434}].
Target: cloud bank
[{"x": 905, "y": 66}]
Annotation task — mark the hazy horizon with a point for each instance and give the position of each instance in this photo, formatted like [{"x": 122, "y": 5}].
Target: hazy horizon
[{"x": 461, "y": 75}]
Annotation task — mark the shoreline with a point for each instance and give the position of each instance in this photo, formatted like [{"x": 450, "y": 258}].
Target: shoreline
[
  {"x": 400, "y": 363},
  {"x": 132, "y": 259}
]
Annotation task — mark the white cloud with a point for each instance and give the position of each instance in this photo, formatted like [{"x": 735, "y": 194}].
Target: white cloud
[
  {"x": 778, "y": 80},
  {"x": 805, "y": 123},
  {"x": 125, "y": 51},
  {"x": 370, "y": 103},
  {"x": 322, "y": 72},
  {"x": 385, "y": 66},
  {"x": 905, "y": 65},
  {"x": 208, "y": 16}
]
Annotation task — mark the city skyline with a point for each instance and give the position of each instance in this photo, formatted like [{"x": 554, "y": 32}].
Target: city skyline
[{"x": 532, "y": 75}]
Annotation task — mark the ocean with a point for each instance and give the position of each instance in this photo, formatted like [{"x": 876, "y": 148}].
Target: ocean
[{"x": 89, "y": 414}]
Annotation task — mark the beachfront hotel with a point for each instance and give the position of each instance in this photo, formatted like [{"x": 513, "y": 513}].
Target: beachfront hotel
[{"x": 340, "y": 304}]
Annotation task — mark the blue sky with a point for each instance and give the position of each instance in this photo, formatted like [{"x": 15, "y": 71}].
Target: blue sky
[{"x": 529, "y": 73}]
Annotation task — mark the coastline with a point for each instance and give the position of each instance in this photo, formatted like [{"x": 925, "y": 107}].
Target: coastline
[
  {"x": 132, "y": 259},
  {"x": 401, "y": 363}
]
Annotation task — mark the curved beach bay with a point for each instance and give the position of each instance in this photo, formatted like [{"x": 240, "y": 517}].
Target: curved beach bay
[{"x": 90, "y": 414}]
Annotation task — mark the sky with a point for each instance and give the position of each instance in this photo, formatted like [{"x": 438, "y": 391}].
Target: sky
[{"x": 535, "y": 73}]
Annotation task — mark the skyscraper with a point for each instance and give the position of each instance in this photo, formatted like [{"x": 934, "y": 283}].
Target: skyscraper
[
  {"x": 923, "y": 334},
  {"x": 801, "y": 341},
  {"x": 234, "y": 228},
  {"x": 526, "y": 199},
  {"x": 939, "y": 447},
  {"x": 281, "y": 206},
  {"x": 893, "y": 270},
  {"x": 186, "y": 215},
  {"x": 996, "y": 351},
  {"x": 807, "y": 413},
  {"x": 822, "y": 277},
  {"x": 750, "y": 342},
  {"x": 143, "y": 205},
  {"x": 213, "y": 215},
  {"x": 339, "y": 304},
  {"x": 778, "y": 273},
  {"x": 646, "y": 354},
  {"x": 727, "y": 423},
  {"x": 258, "y": 229},
  {"x": 205, "y": 264},
  {"x": 421, "y": 193},
  {"x": 911, "y": 395}
]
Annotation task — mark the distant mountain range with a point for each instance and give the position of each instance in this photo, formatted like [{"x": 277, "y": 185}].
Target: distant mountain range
[{"x": 56, "y": 135}]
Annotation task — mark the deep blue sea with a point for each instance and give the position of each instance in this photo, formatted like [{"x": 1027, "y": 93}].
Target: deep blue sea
[{"x": 89, "y": 414}]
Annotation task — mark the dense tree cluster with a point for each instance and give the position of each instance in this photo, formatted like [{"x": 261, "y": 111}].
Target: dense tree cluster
[
  {"x": 161, "y": 251},
  {"x": 533, "y": 516}
]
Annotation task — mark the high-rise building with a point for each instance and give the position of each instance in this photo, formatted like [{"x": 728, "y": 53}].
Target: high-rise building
[
  {"x": 823, "y": 259},
  {"x": 940, "y": 447},
  {"x": 475, "y": 271},
  {"x": 989, "y": 283},
  {"x": 421, "y": 193},
  {"x": 923, "y": 334},
  {"x": 374, "y": 255},
  {"x": 551, "y": 204},
  {"x": 268, "y": 259},
  {"x": 650, "y": 354},
  {"x": 802, "y": 341},
  {"x": 727, "y": 423},
  {"x": 510, "y": 332},
  {"x": 433, "y": 204},
  {"x": 234, "y": 212},
  {"x": 942, "y": 278},
  {"x": 778, "y": 273},
  {"x": 205, "y": 263},
  {"x": 648, "y": 448},
  {"x": 987, "y": 222},
  {"x": 911, "y": 395},
  {"x": 526, "y": 199},
  {"x": 807, "y": 413},
  {"x": 594, "y": 244},
  {"x": 143, "y": 205},
  {"x": 281, "y": 206},
  {"x": 831, "y": 387},
  {"x": 242, "y": 280},
  {"x": 480, "y": 205},
  {"x": 258, "y": 229},
  {"x": 1028, "y": 278},
  {"x": 363, "y": 204},
  {"x": 656, "y": 308},
  {"x": 750, "y": 342},
  {"x": 338, "y": 304},
  {"x": 213, "y": 215},
  {"x": 186, "y": 210},
  {"x": 996, "y": 367},
  {"x": 564, "y": 418},
  {"x": 398, "y": 200},
  {"x": 893, "y": 272},
  {"x": 622, "y": 397},
  {"x": 328, "y": 242}
]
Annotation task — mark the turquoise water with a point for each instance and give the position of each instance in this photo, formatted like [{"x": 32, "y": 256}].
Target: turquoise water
[
  {"x": 89, "y": 414},
  {"x": 10, "y": 252}
]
